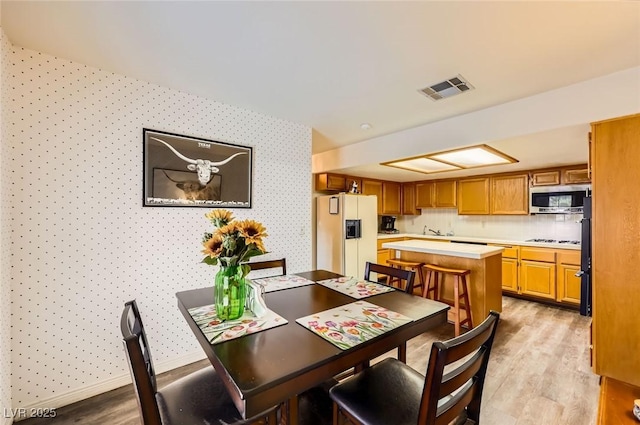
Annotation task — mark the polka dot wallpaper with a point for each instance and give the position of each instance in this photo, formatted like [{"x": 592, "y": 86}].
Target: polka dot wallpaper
[
  {"x": 5, "y": 235},
  {"x": 82, "y": 244}
]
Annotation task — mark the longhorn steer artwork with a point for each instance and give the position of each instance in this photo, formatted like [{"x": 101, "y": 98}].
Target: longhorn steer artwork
[
  {"x": 189, "y": 171},
  {"x": 194, "y": 191},
  {"x": 204, "y": 167}
]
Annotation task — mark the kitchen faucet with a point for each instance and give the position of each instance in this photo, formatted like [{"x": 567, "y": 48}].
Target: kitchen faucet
[{"x": 435, "y": 232}]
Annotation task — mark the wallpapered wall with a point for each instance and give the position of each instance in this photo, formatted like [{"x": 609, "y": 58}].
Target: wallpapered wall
[
  {"x": 82, "y": 243},
  {"x": 5, "y": 234}
]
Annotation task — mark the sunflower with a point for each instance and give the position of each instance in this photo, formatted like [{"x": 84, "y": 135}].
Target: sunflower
[
  {"x": 213, "y": 246},
  {"x": 220, "y": 217},
  {"x": 253, "y": 232}
]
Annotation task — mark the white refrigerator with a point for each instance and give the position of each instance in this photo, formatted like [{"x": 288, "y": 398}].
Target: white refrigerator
[{"x": 346, "y": 233}]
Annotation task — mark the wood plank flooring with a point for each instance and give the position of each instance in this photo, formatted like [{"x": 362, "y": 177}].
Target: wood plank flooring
[{"x": 538, "y": 373}]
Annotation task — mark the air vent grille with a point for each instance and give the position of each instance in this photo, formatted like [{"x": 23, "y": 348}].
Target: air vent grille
[{"x": 447, "y": 88}]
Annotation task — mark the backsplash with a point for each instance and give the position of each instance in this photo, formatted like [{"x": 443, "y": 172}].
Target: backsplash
[{"x": 516, "y": 227}]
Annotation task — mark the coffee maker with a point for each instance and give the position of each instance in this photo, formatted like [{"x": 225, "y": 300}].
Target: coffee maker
[{"x": 388, "y": 224}]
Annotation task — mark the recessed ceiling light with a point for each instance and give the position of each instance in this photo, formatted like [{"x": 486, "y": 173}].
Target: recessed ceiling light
[
  {"x": 365, "y": 126},
  {"x": 456, "y": 159}
]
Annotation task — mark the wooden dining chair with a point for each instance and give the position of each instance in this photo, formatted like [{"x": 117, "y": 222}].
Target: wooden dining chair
[
  {"x": 196, "y": 399},
  {"x": 435, "y": 399},
  {"x": 271, "y": 264},
  {"x": 406, "y": 276}
]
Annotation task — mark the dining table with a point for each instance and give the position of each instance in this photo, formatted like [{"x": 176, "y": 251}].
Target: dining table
[{"x": 272, "y": 367}]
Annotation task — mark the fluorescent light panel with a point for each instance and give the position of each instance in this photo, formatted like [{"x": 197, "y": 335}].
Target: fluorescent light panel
[{"x": 471, "y": 157}]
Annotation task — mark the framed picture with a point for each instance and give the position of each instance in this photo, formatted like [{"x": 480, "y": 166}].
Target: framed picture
[{"x": 185, "y": 171}]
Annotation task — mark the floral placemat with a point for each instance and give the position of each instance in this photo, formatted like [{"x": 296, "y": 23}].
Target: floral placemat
[
  {"x": 355, "y": 288},
  {"x": 217, "y": 331},
  {"x": 277, "y": 283},
  {"x": 349, "y": 325}
]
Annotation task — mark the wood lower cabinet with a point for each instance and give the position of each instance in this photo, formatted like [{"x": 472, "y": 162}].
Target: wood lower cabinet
[
  {"x": 473, "y": 196},
  {"x": 615, "y": 149},
  {"x": 409, "y": 199},
  {"x": 538, "y": 279},
  {"x": 509, "y": 195},
  {"x": 568, "y": 288},
  {"x": 510, "y": 274},
  {"x": 391, "y": 198}
]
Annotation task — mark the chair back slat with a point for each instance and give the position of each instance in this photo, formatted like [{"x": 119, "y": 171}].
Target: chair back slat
[
  {"x": 458, "y": 392},
  {"x": 140, "y": 363},
  {"x": 453, "y": 407},
  {"x": 261, "y": 265},
  {"x": 407, "y": 276}
]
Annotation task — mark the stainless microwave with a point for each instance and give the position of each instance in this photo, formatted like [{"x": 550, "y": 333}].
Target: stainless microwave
[{"x": 558, "y": 199}]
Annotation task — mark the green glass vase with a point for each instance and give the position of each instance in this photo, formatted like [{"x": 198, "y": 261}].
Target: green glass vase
[{"x": 230, "y": 292}]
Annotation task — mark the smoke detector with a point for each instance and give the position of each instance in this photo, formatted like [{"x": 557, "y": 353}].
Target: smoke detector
[{"x": 447, "y": 88}]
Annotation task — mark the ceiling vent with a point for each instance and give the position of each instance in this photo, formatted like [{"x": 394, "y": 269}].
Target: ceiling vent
[{"x": 447, "y": 88}]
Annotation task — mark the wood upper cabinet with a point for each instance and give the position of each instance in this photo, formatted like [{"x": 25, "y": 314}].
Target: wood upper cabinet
[
  {"x": 330, "y": 182},
  {"x": 510, "y": 194},
  {"x": 409, "y": 199},
  {"x": 391, "y": 198},
  {"x": 445, "y": 194},
  {"x": 576, "y": 175},
  {"x": 473, "y": 196},
  {"x": 615, "y": 245},
  {"x": 425, "y": 194},
  {"x": 545, "y": 178},
  {"x": 373, "y": 187}
]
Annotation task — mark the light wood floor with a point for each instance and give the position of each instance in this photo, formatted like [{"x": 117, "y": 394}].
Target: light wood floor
[{"x": 538, "y": 374}]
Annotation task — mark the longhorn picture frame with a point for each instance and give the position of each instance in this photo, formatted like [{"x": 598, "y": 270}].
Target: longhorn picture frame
[{"x": 187, "y": 171}]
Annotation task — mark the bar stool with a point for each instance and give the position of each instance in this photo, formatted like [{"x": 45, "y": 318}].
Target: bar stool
[
  {"x": 460, "y": 291},
  {"x": 407, "y": 265}
]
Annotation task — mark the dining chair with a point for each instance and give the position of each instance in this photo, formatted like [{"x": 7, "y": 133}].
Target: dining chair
[
  {"x": 407, "y": 276},
  {"x": 390, "y": 392},
  {"x": 270, "y": 264},
  {"x": 196, "y": 399}
]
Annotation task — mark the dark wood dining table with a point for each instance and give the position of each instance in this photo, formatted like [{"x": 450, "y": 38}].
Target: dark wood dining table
[{"x": 272, "y": 367}]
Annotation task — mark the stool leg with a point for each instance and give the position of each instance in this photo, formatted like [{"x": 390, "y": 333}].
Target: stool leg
[
  {"x": 420, "y": 278},
  {"x": 426, "y": 288},
  {"x": 436, "y": 285},
  {"x": 456, "y": 304},
  {"x": 467, "y": 304}
]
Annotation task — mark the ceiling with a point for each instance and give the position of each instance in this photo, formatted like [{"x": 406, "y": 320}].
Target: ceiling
[{"x": 335, "y": 65}]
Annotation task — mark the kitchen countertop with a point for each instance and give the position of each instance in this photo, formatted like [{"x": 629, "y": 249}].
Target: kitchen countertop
[
  {"x": 480, "y": 240},
  {"x": 443, "y": 248}
]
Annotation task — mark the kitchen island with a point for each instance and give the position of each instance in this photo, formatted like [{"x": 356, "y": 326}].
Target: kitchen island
[{"x": 485, "y": 263}]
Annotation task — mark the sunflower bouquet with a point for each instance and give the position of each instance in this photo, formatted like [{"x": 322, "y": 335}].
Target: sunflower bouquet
[{"x": 233, "y": 242}]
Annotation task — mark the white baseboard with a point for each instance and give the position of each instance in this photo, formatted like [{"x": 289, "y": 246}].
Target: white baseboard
[{"x": 94, "y": 389}]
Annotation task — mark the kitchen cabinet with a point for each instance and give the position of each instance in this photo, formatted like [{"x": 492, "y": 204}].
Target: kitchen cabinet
[
  {"x": 445, "y": 194},
  {"x": 409, "y": 199},
  {"x": 425, "y": 193},
  {"x": 509, "y": 195},
  {"x": 568, "y": 288},
  {"x": 510, "y": 268},
  {"x": 576, "y": 175},
  {"x": 373, "y": 187},
  {"x": 545, "y": 178},
  {"x": 391, "y": 198},
  {"x": 538, "y": 272},
  {"x": 615, "y": 149},
  {"x": 330, "y": 182},
  {"x": 473, "y": 196},
  {"x": 436, "y": 194}
]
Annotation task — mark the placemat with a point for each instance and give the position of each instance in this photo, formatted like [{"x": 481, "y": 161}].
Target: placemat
[
  {"x": 355, "y": 288},
  {"x": 349, "y": 325},
  {"x": 217, "y": 331},
  {"x": 277, "y": 283}
]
